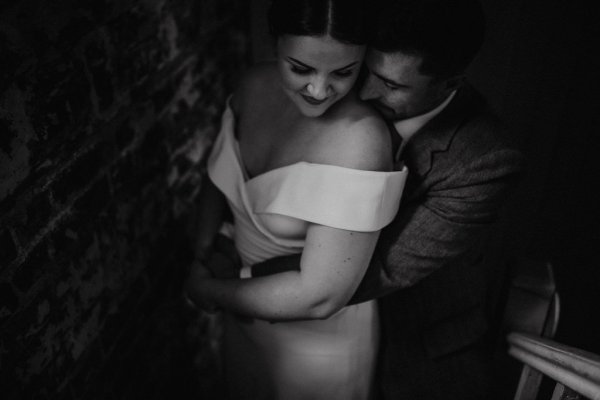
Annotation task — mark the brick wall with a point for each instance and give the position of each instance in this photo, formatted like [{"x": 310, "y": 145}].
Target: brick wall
[{"x": 106, "y": 111}]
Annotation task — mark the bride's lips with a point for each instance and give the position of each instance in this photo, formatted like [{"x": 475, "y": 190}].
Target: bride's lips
[{"x": 313, "y": 101}]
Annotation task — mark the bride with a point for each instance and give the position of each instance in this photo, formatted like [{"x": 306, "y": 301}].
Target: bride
[{"x": 304, "y": 166}]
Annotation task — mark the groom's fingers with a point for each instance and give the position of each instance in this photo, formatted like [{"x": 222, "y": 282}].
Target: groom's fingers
[
  {"x": 223, "y": 266},
  {"x": 224, "y": 262}
]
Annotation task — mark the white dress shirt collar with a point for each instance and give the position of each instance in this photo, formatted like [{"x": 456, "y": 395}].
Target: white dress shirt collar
[{"x": 406, "y": 128}]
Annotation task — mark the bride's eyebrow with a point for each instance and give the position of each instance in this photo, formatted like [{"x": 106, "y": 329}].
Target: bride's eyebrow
[
  {"x": 300, "y": 63},
  {"x": 292, "y": 59},
  {"x": 347, "y": 66}
]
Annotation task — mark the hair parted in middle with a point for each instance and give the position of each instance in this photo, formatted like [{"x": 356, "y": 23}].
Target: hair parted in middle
[{"x": 343, "y": 20}]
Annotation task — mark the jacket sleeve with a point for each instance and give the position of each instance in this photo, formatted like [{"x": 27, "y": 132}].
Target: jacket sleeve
[{"x": 443, "y": 225}]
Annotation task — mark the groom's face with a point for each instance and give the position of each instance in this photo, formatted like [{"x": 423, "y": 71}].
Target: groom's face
[{"x": 395, "y": 85}]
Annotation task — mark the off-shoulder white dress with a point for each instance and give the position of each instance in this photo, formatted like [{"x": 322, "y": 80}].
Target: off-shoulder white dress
[{"x": 331, "y": 359}]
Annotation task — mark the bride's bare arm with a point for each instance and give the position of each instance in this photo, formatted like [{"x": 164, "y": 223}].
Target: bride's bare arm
[{"x": 332, "y": 266}]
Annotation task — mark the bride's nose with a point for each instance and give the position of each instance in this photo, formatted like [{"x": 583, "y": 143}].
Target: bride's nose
[{"x": 318, "y": 88}]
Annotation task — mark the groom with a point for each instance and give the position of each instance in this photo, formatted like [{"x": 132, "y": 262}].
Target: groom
[{"x": 427, "y": 269}]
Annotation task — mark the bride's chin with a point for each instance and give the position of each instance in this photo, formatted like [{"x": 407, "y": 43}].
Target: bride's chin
[{"x": 310, "y": 110}]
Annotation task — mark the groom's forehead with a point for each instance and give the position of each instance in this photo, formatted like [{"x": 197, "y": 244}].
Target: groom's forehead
[{"x": 392, "y": 60}]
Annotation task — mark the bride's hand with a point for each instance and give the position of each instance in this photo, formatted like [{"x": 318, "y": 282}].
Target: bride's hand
[{"x": 193, "y": 293}]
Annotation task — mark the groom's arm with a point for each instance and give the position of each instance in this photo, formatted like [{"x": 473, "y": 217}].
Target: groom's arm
[
  {"x": 427, "y": 235},
  {"x": 277, "y": 265},
  {"x": 446, "y": 227},
  {"x": 424, "y": 237}
]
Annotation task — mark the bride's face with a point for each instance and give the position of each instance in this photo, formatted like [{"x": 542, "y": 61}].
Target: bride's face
[{"x": 316, "y": 72}]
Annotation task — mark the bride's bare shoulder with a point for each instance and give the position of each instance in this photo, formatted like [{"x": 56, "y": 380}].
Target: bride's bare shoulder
[{"x": 357, "y": 137}]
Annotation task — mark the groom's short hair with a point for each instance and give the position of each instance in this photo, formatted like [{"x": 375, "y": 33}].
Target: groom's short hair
[{"x": 447, "y": 34}]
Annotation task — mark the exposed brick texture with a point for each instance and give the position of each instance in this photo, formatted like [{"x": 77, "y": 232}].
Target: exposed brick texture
[{"x": 107, "y": 109}]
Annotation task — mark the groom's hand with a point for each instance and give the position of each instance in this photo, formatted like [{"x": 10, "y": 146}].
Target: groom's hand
[
  {"x": 277, "y": 265},
  {"x": 191, "y": 295},
  {"x": 224, "y": 261}
]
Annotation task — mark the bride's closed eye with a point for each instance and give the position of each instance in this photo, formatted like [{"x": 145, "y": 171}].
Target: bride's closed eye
[
  {"x": 299, "y": 70},
  {"x": 306, "y": 71},
  {"x": 344, "y": 74}
]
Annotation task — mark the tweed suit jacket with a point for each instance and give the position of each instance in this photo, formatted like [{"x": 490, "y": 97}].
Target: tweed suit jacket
[{"x": 427, "y": 266}]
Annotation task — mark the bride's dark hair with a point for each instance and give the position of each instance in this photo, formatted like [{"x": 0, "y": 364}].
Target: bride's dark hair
[{"x": 343, "y": 20}]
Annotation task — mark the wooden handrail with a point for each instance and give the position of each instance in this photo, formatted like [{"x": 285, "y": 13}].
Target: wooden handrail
[{"x": 574, "y": 368}]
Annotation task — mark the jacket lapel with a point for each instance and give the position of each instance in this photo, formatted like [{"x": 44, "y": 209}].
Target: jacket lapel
[{"x": 436, "y": 136}]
